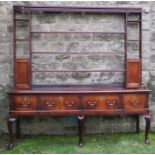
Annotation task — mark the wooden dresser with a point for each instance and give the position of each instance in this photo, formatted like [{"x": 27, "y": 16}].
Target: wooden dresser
[{"x": 27, "y": 100}]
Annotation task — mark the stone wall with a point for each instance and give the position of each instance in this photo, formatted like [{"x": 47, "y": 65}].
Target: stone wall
[{"x": 75, "y": 43}]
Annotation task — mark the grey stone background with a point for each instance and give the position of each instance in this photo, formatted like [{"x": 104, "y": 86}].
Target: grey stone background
[{"x": 76, "y": 43}]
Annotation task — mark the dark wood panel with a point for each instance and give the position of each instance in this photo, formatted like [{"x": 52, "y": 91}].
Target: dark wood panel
[
  {"x": 25, "y": 103},
  {"x": 22, "y": 74},
  {"x": 50, "y": 102},
  {"x": 92, "y": 101},
  {"x": 78, "y": 89},
  {"x": 135, "y": 101},
  {"x": 70, "y": 102},
  {"x": 102, "y": 102},
  {"x": 112, "y": 102},
  {"x": 133, "y": 73}
]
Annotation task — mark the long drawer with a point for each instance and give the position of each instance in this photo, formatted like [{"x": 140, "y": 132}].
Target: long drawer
[
  {"x": 102, "y": 102},
  {"x": 58, "y": 102},
  {"x": 135, "y": 101},
  {"x": 25, "y": 103},
  {"x": 79, "y": 102}
]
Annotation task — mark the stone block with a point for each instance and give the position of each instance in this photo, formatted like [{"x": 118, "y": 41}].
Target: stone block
[
  {"x": 62, "y": 57},
  {"x": 51, "y": 37},
  {"x": 80, "y": 75},
  {"x": 47, "y": 18},
  {"x": 65, "y": 37},
  {"x": 80, "y": 18},
  {"x": 82, "y": 37},
  {"x": 62, "y": 76},
  {"x": 58, "y": 47}
]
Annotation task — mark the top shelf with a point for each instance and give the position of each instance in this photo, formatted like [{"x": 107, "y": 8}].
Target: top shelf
[
  {"x": 75, "y": 32},
  {"x": 75, "y": 9}
]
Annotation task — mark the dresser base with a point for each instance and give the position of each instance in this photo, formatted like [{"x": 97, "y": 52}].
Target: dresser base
[{"x": 80, "y": 120}]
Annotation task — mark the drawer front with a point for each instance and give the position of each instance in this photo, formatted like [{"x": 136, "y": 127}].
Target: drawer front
[
  {"x": 102, "y": 102},
  {"x": 92, "y": 102},
  {"x": 70, "y": 102},
  {"x": 135, "y": 101},
  {"x": 50, "y": 102},
  {"x": 112, "y": 102},
  {"x": 25, "y": 103}
]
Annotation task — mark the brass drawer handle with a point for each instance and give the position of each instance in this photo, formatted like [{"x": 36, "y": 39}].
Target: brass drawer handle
[
  {"x": 25, "y": 104},
  {"x": 50, "y": 104},
  {"x": 134, "y": 102},
  {"x": 92, "y": 103},
  {"x": 69, "y": 104},
  {"x": 107, "y": 102},
  {"x": 111, "y": 103}
]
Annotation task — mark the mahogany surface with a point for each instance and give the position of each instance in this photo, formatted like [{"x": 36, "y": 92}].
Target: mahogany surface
[{"x": 129, "y": 98}]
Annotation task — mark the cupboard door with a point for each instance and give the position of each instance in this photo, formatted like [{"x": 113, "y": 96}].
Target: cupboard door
[
  {"x": 133, "y": 73},
  {"x": 22, "y": 74}
]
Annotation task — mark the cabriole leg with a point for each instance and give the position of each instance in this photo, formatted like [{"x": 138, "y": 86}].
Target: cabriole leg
[
  {"x": 147, "y": 128},
  {"x": 137, "y": 124},
  {"x": 10, "y": 129},
  {"x": 81, "y": 129},
  {"x": 18, "y": 128}
]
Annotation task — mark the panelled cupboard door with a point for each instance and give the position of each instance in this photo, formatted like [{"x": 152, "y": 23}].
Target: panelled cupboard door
[
  {"x": 133, "y": 73},
  {"x": 25, "y": 102},
  {"x": 22, "y": 74}
]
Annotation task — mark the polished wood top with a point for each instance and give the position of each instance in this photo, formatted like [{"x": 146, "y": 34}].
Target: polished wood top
[{"x": 79, "y": 89}]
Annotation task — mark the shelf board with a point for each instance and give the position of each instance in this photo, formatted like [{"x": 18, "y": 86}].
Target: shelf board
[
  {"x": 76, "y": 9},
  {"x": 75, "y": 32},
  {"x": 22, "y": 20},
  {"x": 86, "y": 53},
  {"x": 22, "y": 40},
  {"x": 134, "y": 40},
  {"x": 134, "y": 21},
  {"x": 112, "y": 70}
]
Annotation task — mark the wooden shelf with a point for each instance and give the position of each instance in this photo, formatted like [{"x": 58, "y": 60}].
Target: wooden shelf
[
  {"x": 22, "y": 40},
  {"x": 22, "y": 20},
  {"x": 112, "y": 70},
  {"x": 86, "y": 53},
  {"x": 75, "y": 32},
  {"x": 130, "y": 40},
  {"x": 76, "y": 9},
  {"x": 134, "y": 21}
]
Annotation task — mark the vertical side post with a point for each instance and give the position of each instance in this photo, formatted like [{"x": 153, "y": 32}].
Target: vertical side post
[
  {"x": 125, "y": 47},
  {"x": 10, "y": 129},
  {"x": 30, "y": 47},
  {"x": 140, "y": 47},
  {"x": 14, "y": 45},
  {"x": 18, "y": 128},
  {"x": 81, "y": 129},
  {"x": 137, "y": 124},
  {"x": 147, "y": 128}
]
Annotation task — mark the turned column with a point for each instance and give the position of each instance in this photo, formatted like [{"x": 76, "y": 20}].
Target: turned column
[
  {"x": 18, "y": 128},
  {"x": 81, "y": 129},
  {"x": 147, "y": 128},
  {"x": 137, "y": 124},
  {"x": 10, "y": 129}
]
